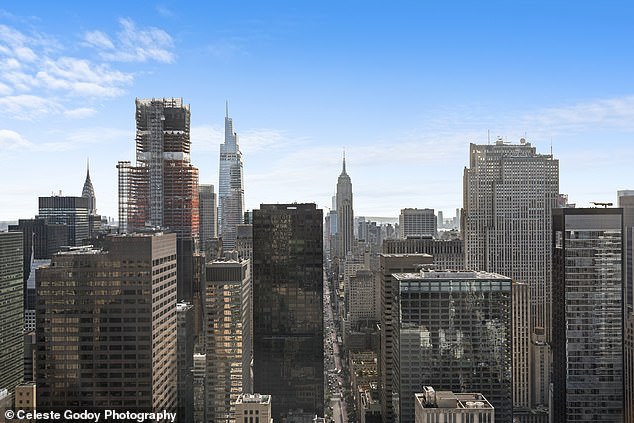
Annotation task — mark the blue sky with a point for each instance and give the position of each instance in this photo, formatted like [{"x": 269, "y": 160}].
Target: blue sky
[{"x": 404, "y": 87}]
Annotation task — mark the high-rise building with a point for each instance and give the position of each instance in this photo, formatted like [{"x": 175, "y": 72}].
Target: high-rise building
[
  {"x": 106, "y": 326},
  {"x": 185, "y": 361},
  {"x": 70, "y": 211},
  {"x": 88, "y": 192},
  {"x": 162, "y": 189},
  {"x": 521, "y": 346},
  {"x": 446, "y": 406},
  {"x": 626, "y": 201},
  {"x": 417, "y": 223},
  {"x": 389, "y": 265},
  {"x": 509, "y": 193},
  {"x": 208, "y": 212},
  {"x": 40, "y": 240},
  {"x": 345, "y": 213},
  {"x": 288, "y": 347},
  {"x": 11, "y": 311},
  {"x": 227, "y": 298},
  {"x": 230, "y": 186},
  {"x": 587, "y": 308},
  {"x": 453, "y": 330}
]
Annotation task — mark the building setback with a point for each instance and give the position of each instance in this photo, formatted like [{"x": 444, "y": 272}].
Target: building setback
[
  {"x": 587, "y": 315},
  {"x": 106, "y": 326},
  {"x": 288, "y": 347}
]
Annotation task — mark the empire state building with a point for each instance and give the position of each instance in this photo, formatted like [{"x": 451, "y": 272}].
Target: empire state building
[{"x": 345, "y": 215}]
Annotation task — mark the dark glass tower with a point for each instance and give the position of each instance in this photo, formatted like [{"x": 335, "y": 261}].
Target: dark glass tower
[
  {"x": 587, "y": 315},
  {"x": 453, "y": 330},
  {"x": 288, "y": 348}
]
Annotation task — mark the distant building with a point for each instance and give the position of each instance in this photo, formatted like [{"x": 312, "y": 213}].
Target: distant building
[
  {"x": 417, "y": 223},
  {"x": 288, "y": 324},
  {"x": 253, "y": 408},
  {"x": 509, "y": 193},
  {"x": 230, "y": 186},
  {"x": 447, "y": 254},
  {"x": 228, "y": 345},
  {"x": 446, "y": 406},
  {"x": 208, "y": 213},
  {"x": 116, "y": 306},
  {"x": 11, "y": 311},
  {"x": 454, "y": 329},
  {"x": 69, "y": 211},
  {"x": 345, "y": 213},
  {"x": 587, "y": 346},
  {"x": 162, "y": 189}
]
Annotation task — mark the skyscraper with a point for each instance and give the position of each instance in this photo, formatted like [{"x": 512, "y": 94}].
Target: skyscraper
[
  {"x": 106, "y": 326},
  {"x": 227, "y": 306},
  {"x": 70, "y": 211},
  {"x": 417, "y": 223},
  {"x": 230, "y": 186},
  {"x": 345, "y": 213},
  {"x": 453, "y": 329},
  {"x": 208, "y": 213},
  {"x": 587, "y": 340},
  {"x": 88, "y": 191},
  {"x": 162, "y": 189},
  {"x": 11, "y": 311},
  {"x": 389, "y": 265},
  {"x": 509, "y": 192},
  {"x": 288, "y": 347}
]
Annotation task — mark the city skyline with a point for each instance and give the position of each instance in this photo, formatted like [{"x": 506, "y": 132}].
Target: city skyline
[{"x": 404, "y": 89}]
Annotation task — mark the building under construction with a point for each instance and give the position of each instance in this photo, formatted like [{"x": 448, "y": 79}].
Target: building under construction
[{"x": 162, "y": 189}]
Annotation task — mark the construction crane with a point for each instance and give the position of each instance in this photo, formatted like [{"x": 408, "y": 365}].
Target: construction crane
[{"x": 605, "y": 205}]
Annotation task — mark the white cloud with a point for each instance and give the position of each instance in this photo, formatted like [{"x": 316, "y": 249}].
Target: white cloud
[
  {"x": 80, "y": 113},
  {"x": 5, "y": 89},
  {"x": 612, "y": 112},
  {"x": 133, "y": 44},
  {"x": 206, "y": 137},
  {"x": 28, "y": 107},
  {"x": 11, "y": 140},
  {"x": 81, "y": 77},
  {"x": 255, "y": 140},
  {"x": 98, "y": 39}
]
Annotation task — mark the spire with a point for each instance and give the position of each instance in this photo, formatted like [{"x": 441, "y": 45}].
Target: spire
[
  {"x": 226, "y": 108},
  {"x": 343, "y": 172},
  {"x": 88, "y": 191}
]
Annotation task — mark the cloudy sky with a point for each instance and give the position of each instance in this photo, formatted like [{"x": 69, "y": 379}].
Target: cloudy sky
[{"x": 404, "y": 87}]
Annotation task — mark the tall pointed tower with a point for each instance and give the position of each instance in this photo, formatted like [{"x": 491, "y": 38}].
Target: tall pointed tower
[
  {"x": 345, "y": 215},
  {"x": 89, "y": 192},
  {"x": 230, "y": 187}
]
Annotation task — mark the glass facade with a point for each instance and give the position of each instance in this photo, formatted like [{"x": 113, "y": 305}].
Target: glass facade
[
  {"x": 454, "y": 333},
  {"x": 288, "y": 344},
  {"x": 587, "y": 315}
]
